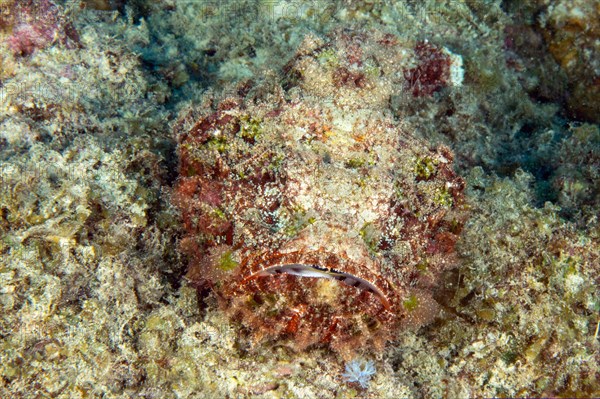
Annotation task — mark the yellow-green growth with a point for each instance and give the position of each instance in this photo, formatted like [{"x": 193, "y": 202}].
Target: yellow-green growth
[
  {"x": 251, "y": 128},
  {"x": 328, "y": 57},
  {"x": 355, "y": 163},
  {"x": 487, "y": 314},
  {"x": 372, "y": 71},
  {"x": 227, "y": 262},
  {"x": 370, "y": 236},
  {"x": 411, "y": 303},
  {"x": 299, "y": 220},
  {"x": 276, "y": 163},
  {"x": 219, "y": 214},
  {"x": 443, "y": 198},
  {"x": 425, "y": 168},
  {"x": 422, "y": 266},
  {"x": 218, "y": 143}
]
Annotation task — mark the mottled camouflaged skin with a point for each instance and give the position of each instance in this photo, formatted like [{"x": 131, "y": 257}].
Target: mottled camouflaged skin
[{"x": 310, "y": 167}]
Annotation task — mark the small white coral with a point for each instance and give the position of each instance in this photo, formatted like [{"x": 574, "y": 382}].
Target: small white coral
[{"x": 359, "y": 371}]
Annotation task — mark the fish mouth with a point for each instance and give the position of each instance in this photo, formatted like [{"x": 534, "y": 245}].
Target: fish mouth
[{"x": 304, "y": 270}]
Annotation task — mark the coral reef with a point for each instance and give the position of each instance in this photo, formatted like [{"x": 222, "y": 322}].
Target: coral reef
[
  {"x": 93, "y": 299},
  {"x": 35, "y": 25},
  {"x": 53, "y": 96},
  {"x": 318, "y": 174},
  {"x": 526, "y": 299},
  {"x": 552, "y": 46},
  {"x": 572, "y": 31},
  {"x": 71, "y": 224},
  {"x": 576, "y": 179}
]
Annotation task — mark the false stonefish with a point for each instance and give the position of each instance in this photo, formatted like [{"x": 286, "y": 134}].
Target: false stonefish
[{"x": 311, "y": 214}]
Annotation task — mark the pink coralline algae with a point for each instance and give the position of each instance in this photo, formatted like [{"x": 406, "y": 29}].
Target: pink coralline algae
[
  {"x": 432, "y": 72},
  {"x": 311, "y": 213},
  {"x": 36, "y": 25}
]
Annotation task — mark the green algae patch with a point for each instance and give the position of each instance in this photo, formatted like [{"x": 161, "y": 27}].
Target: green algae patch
[
  {"x": 355, "y": 163},
  {"x": 425, "y": 168},
  {"x": 411, "y": 303},
  {"x": 227, "y": 263},
  {"x": 422, "y": 266},
  {"x": 370, "y": 236},
  {"x": 328, "y": 57},
  {"x": 250, "y": 128},
  {"x": 218, "y": 143},
  {"x": 299, "y": 220},
  {"x": 443, "y": 198}
]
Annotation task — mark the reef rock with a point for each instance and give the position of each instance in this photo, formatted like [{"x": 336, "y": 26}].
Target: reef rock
[
  {"x": 572, "y": 30},
  {"x": 310, "y": 212}
]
